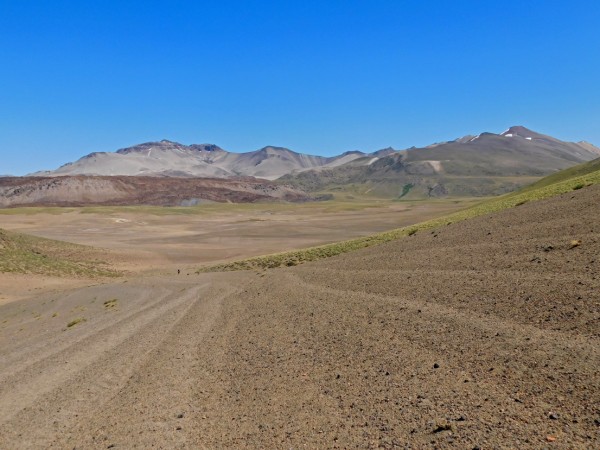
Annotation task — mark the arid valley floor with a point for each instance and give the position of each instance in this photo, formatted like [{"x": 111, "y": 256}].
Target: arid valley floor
[
  {"x": 478, "y": 334},
  {"x": 164, "y": 240}
]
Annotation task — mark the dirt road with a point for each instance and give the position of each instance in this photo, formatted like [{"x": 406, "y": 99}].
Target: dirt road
[{"x": 482, "y": 334}]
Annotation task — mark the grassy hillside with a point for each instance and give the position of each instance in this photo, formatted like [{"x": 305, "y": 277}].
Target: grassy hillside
[
  {"x": 21, "y": 253},
  {"x": 565, "y": 181},
  {"x": 565, "y": 175}
]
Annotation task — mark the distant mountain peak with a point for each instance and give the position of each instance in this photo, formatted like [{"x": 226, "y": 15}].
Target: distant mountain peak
[
  {"x": 521, "y": 131},
  {"x": 384, "y": 152},
  {"x": 353, "y": 152},
  {"x": 164, "y": 144},
  {"x": 519, "y": 128},
  {"x": 275, "y": 148},
  {"x": 206, "y": 148}
]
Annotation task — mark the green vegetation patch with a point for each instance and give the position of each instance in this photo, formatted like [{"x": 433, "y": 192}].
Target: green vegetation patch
[
  {"x": 584, "y": 175},
  {"x": 20, "y": 253},
  {"x": 406, "y": 189}
]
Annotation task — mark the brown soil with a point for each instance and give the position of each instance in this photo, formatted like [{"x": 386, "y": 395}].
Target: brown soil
[
  {"x": 480, "y": 334},
  {"x": 132, "y": 190}
]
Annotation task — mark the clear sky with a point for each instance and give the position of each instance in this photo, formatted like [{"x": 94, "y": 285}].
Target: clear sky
[{"x": 318, "y": 77}]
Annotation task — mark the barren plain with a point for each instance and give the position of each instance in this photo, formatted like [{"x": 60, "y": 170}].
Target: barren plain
[
  {"x": 156, "y": 238},
  {"x": 478, "y": 334}
]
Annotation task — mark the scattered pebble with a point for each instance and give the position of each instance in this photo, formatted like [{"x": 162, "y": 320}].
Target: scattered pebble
[{"x": 442, "y": 426}]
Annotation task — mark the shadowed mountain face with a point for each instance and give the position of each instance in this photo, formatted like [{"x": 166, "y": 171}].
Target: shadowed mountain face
[{"x": 486, "y": 164}]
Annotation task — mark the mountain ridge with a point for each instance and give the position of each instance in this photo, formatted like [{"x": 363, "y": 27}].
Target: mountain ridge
[
  {"x": 472, "y": 152},
  {"x": 481, "y": 165},
  {"x": 165, "y": 157}
]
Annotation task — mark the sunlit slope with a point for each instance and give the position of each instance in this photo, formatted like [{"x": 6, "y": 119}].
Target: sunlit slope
[
  {"x": 484, "y": 165},
  {"x": 565, "y": 175},
  {"x": 20, "y": 253},
  {"x": 574, "y": 178}
]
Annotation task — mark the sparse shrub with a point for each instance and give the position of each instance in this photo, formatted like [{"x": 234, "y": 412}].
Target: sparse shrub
[
  {"x": 406, "y": 189},
  {"x": 108, "y": 304},
  {"x": 578, "y": 186},
  {"x": 74, "y": 322}
]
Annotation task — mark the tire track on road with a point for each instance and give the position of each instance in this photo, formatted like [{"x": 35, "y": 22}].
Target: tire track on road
[{"x": 98, "y": 366}]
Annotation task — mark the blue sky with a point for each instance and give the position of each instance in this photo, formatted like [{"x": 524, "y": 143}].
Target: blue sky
[{"x": 318, "y": 77}]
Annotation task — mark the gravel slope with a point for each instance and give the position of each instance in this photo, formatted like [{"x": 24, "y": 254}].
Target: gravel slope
[{"x": 482, "y": 334}]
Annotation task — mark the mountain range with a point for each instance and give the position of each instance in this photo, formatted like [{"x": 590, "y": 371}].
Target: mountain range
[
  {"x": 473, "y": 165},
  {"x": 167, "y": 158},
  {"x": 481, "y": 165}
]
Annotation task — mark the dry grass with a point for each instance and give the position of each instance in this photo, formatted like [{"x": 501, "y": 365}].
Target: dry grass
[
  {"x": 111, "y": 304},
  {"x": 74, "y": 322},
  {"x": 21, "y": 253}
]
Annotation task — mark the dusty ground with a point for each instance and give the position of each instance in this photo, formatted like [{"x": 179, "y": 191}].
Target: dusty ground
[
  {"x": 482, "y": 334},
  {"x": 158, "y": 238},
  {"x": 20, "y": 286}
]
